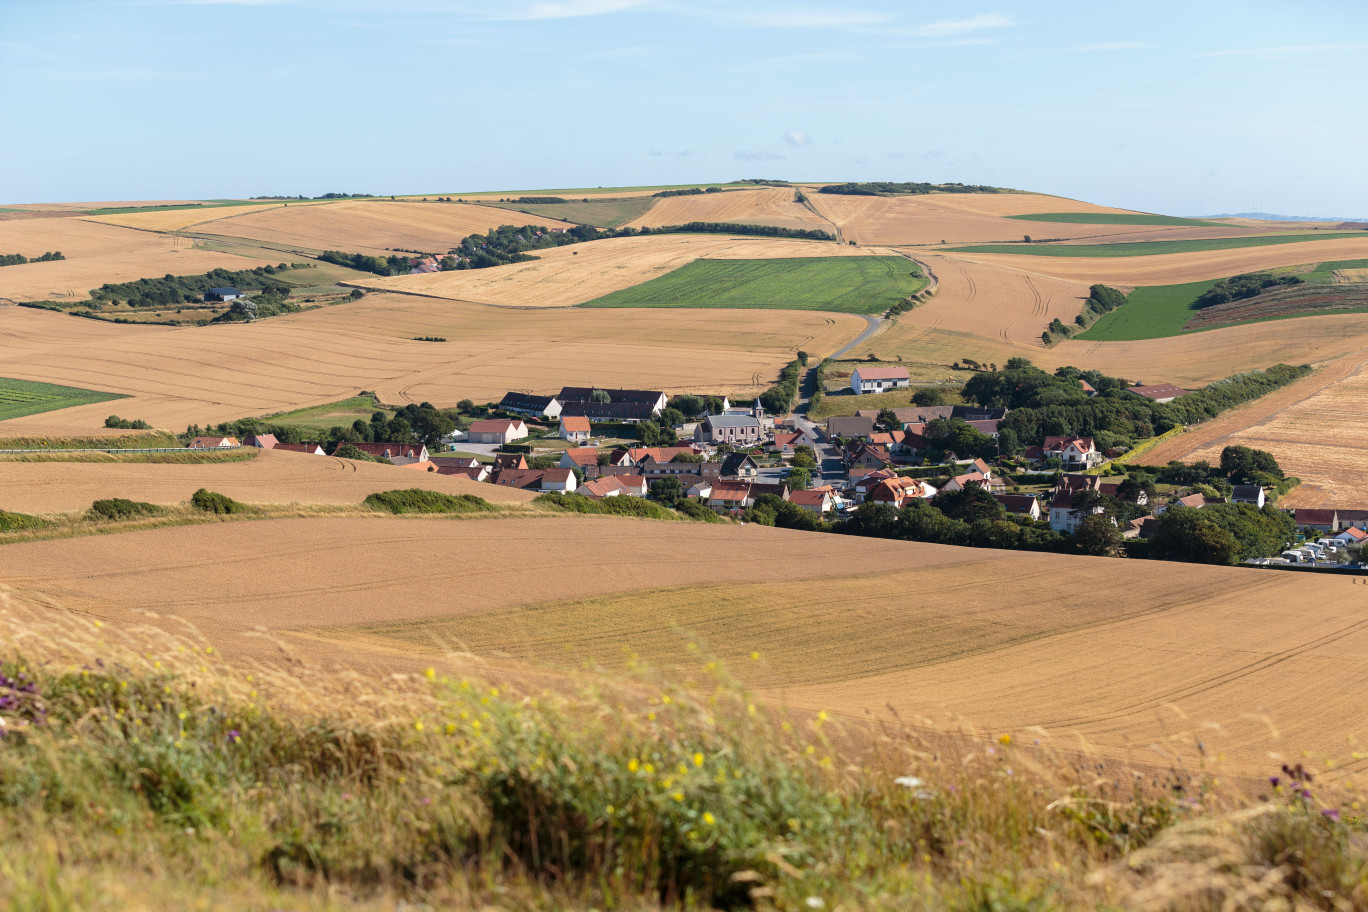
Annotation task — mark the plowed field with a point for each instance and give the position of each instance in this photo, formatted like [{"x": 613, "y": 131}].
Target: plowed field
[
  {"x": 564, "y": 276},
  {"x": 183, "y": 375},
  {"x": 769, "y": 206},
  {"x": 371, "y": 226},
  {"x": 269, "y": 478},
  {"x": 1157, "y": 656}
]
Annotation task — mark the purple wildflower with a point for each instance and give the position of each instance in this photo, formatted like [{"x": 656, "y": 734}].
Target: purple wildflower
[
  {"x": 1331, "y": 813},
  {"x": 234, "y": 736}
]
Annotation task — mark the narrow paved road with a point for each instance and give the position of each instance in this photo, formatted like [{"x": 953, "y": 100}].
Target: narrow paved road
[{"x": 876, "y": 325}]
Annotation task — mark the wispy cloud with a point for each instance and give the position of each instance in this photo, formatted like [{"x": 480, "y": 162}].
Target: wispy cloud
[
  {"x": 805, "y": 17},
  {"x": 571, "y": 9},
  {"x": 949, "y": 27},
  {"x": 797, "y": 138},
  {"x": 747, "y": 155},
  {"x": 1288, "y": 51}
]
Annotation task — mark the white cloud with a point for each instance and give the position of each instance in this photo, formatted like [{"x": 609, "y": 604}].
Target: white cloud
[
  {"x": 746, "y": 155},
  {"x": 797, "y": 138},
  {"x": 947, "y": 27}
]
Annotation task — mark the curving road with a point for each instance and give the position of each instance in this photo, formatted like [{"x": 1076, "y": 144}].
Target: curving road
[{"x": 876, "y": 325}]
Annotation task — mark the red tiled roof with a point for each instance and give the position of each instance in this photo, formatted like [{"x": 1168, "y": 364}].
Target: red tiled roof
[
  {"x": 494, "y": 426},
  {"x": 575, "y": 424},
  {"x": 1311, "y": 517},
  {"x": 583, "y": 456},
  {"x": 1159, "y": 391},
  {"x": 810, "y": 498}
]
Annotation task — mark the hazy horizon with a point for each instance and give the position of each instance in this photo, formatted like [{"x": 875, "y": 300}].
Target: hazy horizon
[{"x": 1174, "y": 108}]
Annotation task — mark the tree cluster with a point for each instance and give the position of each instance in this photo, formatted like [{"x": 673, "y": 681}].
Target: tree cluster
[
  {"x": 172, "y": 291},
  {"x": 692, "y": 191},
  {"x": 540, "y": 200},
  {"x": 392, "y": 265},
  {"x": 1220, "y": 533},
  {"x": 18, "y": 259},
  {"x": 810, "y": 234},
  {"x": 1247, "y": 285},
  {"x": 779, "y": 398},
  {"x": 271, "y": 304}
]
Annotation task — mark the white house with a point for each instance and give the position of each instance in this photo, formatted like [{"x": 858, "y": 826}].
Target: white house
[
  {"x": 497, "y": 431},
  {"x": 1064, "y": 517},
  {"x": 1074, "y": 452},
  {"x": 1249, "y": 494},
  {"x": 561, "y": 480},
  {"x": 574, "y": 427},
  {"x": 878, "y": 379}
]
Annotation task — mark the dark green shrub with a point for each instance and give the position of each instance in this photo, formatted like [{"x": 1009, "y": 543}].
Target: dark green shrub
[
  {"x": 120, "y": 508},
  {"x": 695, "y": 510},
  {"x": 213, "y": 502},
  {"x": 416, "y": 500}
]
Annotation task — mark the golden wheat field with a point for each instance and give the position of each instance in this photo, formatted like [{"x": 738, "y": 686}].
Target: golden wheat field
[
  {"x": 178, "y": 219},
  {"x": 1250, "y": 662},
  {"x": 766, "y": 206},
  {"x": 1316, "y": 428},
  {"x": 565, "y": 276},
  {"x": 183, "y": 375},
  {"x": 95, "y": 254},
  {"x": 953, "y": 218},
  {"x": 271, "y": 477},
  {"x": 1174, "y": 268},
  {"x": 375, "y": 227}
]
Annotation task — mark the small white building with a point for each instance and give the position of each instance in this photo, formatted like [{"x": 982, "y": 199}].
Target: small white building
[
  {"x": 1249, "y": 494},
  {"x": 878, "y": 379},
  {"x": 497, "y": 431},
  {"x": 575, "y": 428}
]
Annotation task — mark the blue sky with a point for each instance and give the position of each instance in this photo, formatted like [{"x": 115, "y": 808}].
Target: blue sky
[{"x": 1185, "y": 108}]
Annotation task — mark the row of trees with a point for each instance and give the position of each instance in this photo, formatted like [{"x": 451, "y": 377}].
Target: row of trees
[
  {"x": 779, "y": 398},
  {"x": 692, "y": 191},
  {"x": 890, "y": 188},
  {"x": 18, "y": 259}
]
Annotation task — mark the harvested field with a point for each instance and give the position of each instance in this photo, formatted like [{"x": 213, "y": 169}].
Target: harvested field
[
  {"x": 1114, "y": 218},
  {"x": 937, "y": 634},
  {"x": 1150, "y": 248},
  {"x": 72, "y": 279},
  {"x": 1011, "y": 306},
  {"x": 270, "y": 477},
  {"x": 371, "y": 226},
  {"x": 953, "y": 218},
  {"x": 183, "y": 375},
  {"x": 767, "y": 206},
  {"x": 178, "y": 219},
  {"x": 1315, "y": 428},
  {"x": 603, "y": 213},
  {"x": 564, "y": 276}
]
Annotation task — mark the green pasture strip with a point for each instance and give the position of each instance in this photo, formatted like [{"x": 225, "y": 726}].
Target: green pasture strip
[
  {"x": 858, "y": 285},
  {"x": 28, "y": 397},
  {"x": 1150, "y": 312},
  {"x": 1114, "y": 218}
]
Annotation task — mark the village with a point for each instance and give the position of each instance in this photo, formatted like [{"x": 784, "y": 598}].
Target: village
[{"x": 580, "y": 442}]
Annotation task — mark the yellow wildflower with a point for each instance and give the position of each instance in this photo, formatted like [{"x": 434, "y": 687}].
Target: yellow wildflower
[
  {"x": 709, "y": 819},
  {"x": 698, "y": 758}
]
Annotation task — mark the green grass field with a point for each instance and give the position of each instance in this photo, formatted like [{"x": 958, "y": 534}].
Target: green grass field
[
  {"x": 1153, "y": 248},
  {"x": 1113, "y": 218},
  {"x": 1151, "y": 312},
  {"x": 608, "y": 213},
  {"x": 858, "y": 285},
  {"x": 1323, "y": 273},
  {"x": 27, "y": 397},
  {"x": 323, "y": 417}
]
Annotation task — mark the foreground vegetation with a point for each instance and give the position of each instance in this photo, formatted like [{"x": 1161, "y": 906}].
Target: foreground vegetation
[
  {"x": 29, "y": 397},
  {"x": 151, "y": 773},
  {"x": 860, "y": 285}
]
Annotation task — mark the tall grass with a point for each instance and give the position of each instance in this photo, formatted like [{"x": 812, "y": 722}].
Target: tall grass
[{"x": 137, "y": 755}]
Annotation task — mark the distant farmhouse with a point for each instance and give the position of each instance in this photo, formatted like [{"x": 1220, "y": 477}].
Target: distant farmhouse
[
  {"x": 878, "y": 379},
  {"x": 223, "y": 294}
]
